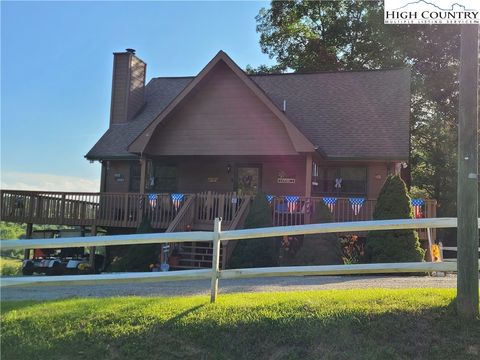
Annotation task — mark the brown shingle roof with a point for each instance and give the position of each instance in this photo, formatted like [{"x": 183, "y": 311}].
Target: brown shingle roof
[{"x": 347, "y": 114}]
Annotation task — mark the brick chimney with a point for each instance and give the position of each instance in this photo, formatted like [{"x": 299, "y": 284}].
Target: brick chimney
[{"x": 128, "y": 86}]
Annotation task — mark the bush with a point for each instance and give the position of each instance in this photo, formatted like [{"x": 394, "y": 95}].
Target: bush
[
  {"x": 315, "y": 249},
  {"x": 393, "y": 245},
  {"x": 257, "y": 252},
  {"x": 135, "y": 257}
]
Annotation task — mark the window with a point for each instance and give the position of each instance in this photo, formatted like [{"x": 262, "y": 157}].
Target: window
[
  {"x": 164, "y": 179},
  {"x": 135, "y": 171},
  {"x": 339, "y": 181}
]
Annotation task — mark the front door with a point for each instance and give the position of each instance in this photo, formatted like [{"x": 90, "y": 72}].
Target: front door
[{"x": 248, "y": 179}]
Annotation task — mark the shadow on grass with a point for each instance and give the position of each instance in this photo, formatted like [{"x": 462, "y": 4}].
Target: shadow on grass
[{"x": 211, "y": 332}]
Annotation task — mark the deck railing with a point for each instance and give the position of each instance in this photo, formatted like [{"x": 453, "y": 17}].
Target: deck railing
[
  {"x": 129, "y": 209},
  {"x": 89, "y": 209}
]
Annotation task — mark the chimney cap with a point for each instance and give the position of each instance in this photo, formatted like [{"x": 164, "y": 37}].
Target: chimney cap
[{"x": 131, "y": 51}]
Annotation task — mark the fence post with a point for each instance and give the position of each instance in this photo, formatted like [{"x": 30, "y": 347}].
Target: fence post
[
  {"x": 215, "y": 259},
  {"x": 430, "y": 244}
]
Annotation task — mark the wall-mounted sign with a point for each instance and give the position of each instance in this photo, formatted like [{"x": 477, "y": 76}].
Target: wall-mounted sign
[
  {"x": 285, "y": 180},
  {"x": 212, "y": 179},
  {"x": 120, "y": 179},
  {"x": 117, "y": 175}
]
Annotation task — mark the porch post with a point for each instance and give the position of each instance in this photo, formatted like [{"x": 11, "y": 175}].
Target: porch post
[
  {"x": 308, "y": 184},
  {"x": 143, "y": 174}
]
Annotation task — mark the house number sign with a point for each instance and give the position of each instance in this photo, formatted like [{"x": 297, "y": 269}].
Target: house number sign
[{"x": 284, "y": 180}]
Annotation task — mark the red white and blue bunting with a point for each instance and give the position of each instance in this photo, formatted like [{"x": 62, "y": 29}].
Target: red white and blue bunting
[
  {"x": 269, "y": 198},
  {"x": 356, "y": 204},
  {"x": 330, "y": 202},
  {"x": 152, "y": 200},
  {"x": 177, "y": 200},
  {"x": 292, "y": 201},
  {"x": 418, "y": 207}
]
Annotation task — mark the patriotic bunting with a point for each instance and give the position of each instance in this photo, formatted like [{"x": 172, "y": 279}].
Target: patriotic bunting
[
  {"x": 152, "y": 199},
  {"x": 177, "y": 200},
  {"x": 292, "y": 202},
  {"x": 357, "y": 204},
  {"x": 269, "y": 198},
  {"x": 330, "y": 202},
  {"x": 417, "y": 207}
]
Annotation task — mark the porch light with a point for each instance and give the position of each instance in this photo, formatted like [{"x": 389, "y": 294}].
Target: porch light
[{"x": 229, "y": 168}]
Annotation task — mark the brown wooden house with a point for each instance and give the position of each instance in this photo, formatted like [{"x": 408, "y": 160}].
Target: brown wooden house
[
  {"x": 183, "y": 150},
  {"x": 319, "y": 134}
]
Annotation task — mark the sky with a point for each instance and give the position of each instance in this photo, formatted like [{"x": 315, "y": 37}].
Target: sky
[{"x": 56, "y": 74}]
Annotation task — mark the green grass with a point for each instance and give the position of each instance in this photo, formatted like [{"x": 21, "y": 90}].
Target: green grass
[
  {"x": 344, "y": 324},
  {"x": 10, "y": 266}
]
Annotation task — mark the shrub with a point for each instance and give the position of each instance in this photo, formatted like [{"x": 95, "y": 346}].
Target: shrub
[
  {"x": 393, "y": 245},
  {"x": 136, "y": 257},
  {"x": 256, "y": 252},
  {"x": 315, "y": 249}
]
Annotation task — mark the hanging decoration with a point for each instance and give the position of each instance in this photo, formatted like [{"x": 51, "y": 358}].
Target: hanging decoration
[
  {"x": 417, "y": 207},
  {"x": 269, "y": 198},
  {"x": 357, "y": 204},
  {"x": 338, "y": 183},
  {"x": 330, "y": 202},
  {"x": 152, "y": 200},
  {"x": 292, "y": 201},
  {"x": 177, "y": 200}
]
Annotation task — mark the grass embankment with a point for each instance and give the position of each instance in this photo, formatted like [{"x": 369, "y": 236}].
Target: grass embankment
[
  {"x": 351, "y": 324},
  {"x": 10, "y": 266}
]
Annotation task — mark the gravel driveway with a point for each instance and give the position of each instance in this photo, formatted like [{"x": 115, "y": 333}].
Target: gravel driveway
[{"x": 202, "y": 287}]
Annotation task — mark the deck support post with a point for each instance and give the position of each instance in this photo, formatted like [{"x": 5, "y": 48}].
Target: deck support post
[
  {"x": 215, "y": 259},
  {"x": 467, "y": 189},
  {"x": 28, "y": 235},
  {"x": 91, "y": 259}
]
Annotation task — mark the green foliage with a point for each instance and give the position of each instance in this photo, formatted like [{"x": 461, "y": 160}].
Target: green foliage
[
  {"x": 307, "y": 36},
  {"x": 256, "y": 252},
  {"x": 316, "y": 249},
  {"x": 135, "y": 257},
  {"x": 326, "y": 324},
  {"x": 10, "y": 266},
  {"x": 11, "y": 230},
  {"x": 393, "y": 245}
]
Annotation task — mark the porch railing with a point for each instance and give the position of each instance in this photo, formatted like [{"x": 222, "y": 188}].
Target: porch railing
[
  {"x": 129, "y": 209},
  {"x": 89, "y": 209}
]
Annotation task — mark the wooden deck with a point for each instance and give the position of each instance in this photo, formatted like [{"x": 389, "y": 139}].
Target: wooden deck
[{"x": 169, "y": 212}]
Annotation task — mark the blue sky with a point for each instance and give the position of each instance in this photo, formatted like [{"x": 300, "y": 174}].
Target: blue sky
[{"x": 56, "y": 68}]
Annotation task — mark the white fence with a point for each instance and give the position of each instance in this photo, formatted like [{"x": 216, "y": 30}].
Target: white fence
[
  {"x": 217, "y": 236},
  {"x": 450, "y": 248}
]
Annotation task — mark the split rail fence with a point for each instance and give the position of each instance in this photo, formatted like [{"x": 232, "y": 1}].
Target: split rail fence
[{"x": 217, "y": 236}]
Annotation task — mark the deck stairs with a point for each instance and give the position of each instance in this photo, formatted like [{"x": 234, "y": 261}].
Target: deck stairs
[{"x": 198, "y": 255}]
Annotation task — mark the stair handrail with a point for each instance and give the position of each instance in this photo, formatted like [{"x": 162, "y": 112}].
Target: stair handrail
[{"x": 181, "y": 214}]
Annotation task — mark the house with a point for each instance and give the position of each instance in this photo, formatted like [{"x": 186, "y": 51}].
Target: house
[
  {"x": 184, "y": 150},
  {"x": 318, "y": 134}
]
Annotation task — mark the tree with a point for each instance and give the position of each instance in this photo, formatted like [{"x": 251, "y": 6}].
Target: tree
[
  {"x": 393, "y": 245},
  {"x": 256, "y": 252},
  {"x": 135, "y": 257},
  {"x": 306, "y": 36},
  {"x": 317, "y": 249}
]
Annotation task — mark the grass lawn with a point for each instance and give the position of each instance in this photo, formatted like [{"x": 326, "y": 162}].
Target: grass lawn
[
  {"x": 341, "y": 324},
  {"x": 10, "y": 266}
]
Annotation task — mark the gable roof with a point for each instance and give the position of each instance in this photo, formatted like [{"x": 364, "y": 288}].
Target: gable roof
[
  {"x": 345, "y": 114},
  {"x": 299, "y": 141}
]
